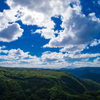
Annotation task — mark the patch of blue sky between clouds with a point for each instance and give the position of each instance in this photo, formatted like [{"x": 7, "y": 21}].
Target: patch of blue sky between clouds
[
  {"x": 90, "y": 6},
  {"x": 58, "y": 21},
  {"x": 3, "y": 5}
]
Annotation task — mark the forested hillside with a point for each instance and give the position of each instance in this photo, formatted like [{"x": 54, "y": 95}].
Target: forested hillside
[
  {"x": 93, "y": 76},
  {"x": 45, "y": 84},
  {"x": 78, "y": 72}
]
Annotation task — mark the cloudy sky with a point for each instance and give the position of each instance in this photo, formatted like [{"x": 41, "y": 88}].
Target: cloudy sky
[{"x": 50, "y": 33}]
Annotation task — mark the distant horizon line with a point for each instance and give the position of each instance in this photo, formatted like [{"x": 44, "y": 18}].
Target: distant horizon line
[{"x": 50, "y": 68}]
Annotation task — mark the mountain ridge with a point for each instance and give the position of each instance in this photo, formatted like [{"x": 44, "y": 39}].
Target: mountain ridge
[
  {"x": 78, "y": 72},
  {"x": 44, "y": 84}
]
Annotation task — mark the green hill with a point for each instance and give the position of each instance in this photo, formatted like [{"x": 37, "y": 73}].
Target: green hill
[
  {"x": 33, "y": 84},
  {"x": 93, "y": 76},
  {"x": 78, "y": 72}
]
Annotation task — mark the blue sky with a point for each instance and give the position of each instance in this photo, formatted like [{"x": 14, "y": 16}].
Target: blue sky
[{"x": 50, "y": 33}]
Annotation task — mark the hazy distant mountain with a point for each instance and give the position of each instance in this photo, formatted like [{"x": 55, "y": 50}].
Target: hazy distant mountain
[
  {"x": 80, "y": 71},
  {"x": 93, "y": 76}
]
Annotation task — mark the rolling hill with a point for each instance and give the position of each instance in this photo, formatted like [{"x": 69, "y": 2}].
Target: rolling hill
[
  {"x": 93, "y": 76},
  {"x": 45, "y": 84},
  {"x": 78, "y": 72}
]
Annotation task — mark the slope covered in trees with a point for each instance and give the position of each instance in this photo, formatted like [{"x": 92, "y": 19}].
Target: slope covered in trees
[
  {"x": 78, "y": 72},
  {"x": 33, "y": 84},
  {"x": 93, "y": 76}
]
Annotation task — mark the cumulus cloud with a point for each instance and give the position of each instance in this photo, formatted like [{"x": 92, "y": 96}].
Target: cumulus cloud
[
  {"x": 44, "y": 6},
  {"x": 33, "y": 11},
  {"x": 18, "y": 52},
  {"x": 51, "y": 57},
  {"x": 97, "y": 60},
  {"x": 48, "y": 32},
  {"x": 19, "y": 58},
  {"x": 39, "y": 12},
  {"x": 7, "y": 16},
  {"x": 73, "y": 48},
  {"x": 11, "y": 33},
  {"x": 9, "y": 30},
  {"x": 78, "y": 30},
  {"x": 2, "y": 50},
  {"x": 83, "y": 64},
  {"x": 80, "y": 56},
  {"x": 2, "y": 47},
  {"x": 95, "y": 42},
  {"x": 94, "y": 63},
  {"x": 31, "y": 17},
  {"x": 99, "y": 2},
  {"x": 36, "y": 12},
  {"x": 13, "y": 54}
]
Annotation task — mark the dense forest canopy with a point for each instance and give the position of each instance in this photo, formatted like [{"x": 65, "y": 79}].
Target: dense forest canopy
[{"x": 45, "y": 84}]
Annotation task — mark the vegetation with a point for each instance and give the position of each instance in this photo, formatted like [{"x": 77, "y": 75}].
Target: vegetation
[
  {"x": 78, "y": 72},
  {"x": 33, "y": 84},
  {"x": 93, "y": 76}
]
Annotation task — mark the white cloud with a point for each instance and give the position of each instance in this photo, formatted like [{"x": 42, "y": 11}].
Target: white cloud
[
  {"x": 44, "y": 6},
  {"x": 9, "y": 30},
  {"x": 95, "y": 42},
  {"x": 99, "y": 2},
  {"x": 80, "y": 56},
  {"x": 47, "y": 32},
  {"x": 73, "y": 48},
  {"x": 18, "y": 53},
  {"x": 13, "y": 54},
  {"x": 32, "y": 12},
  {"x": 11, "y": 33},
  {"x": 19, "y": 58},
  {"x": 31, "y": 17},
  {"x": 2, "y": 47},
  {"x": 95, "y": 63},
  {"x": 97, "y": 60},
  {"x": 3, "y": 51},
  {"x": 83, "y": 64},
  {"x": 39, "y": 12},
  {"x": 36, "y": 12},
  {"x": 51, "y": 57},
  {"x": 78, "y": 30},
  {"x": 7, "y": 16}
]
